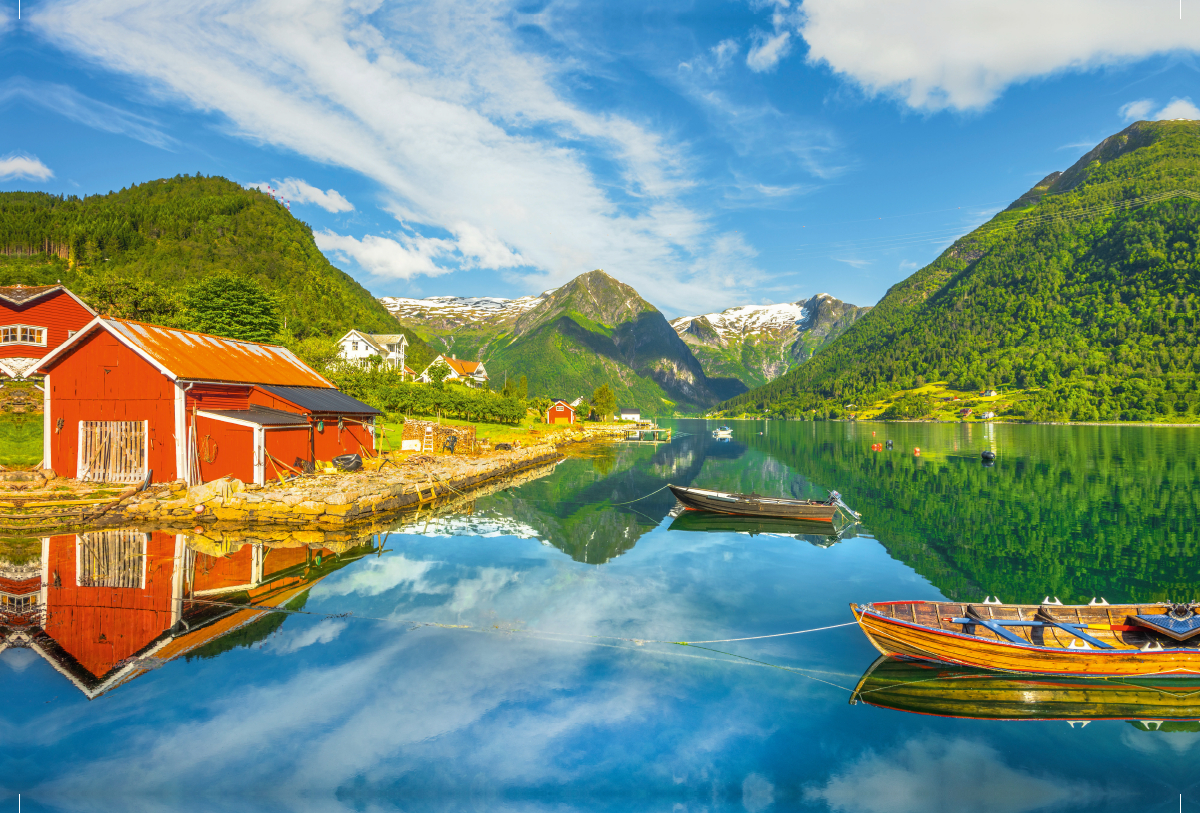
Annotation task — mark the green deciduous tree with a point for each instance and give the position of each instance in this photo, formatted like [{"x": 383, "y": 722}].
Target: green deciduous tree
[
  {"x": 227, "y": 304},
  {"x": 603, "y": 401}
]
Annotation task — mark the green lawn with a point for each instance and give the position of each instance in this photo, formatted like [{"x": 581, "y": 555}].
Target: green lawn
[{"x": 20, "y": 440}]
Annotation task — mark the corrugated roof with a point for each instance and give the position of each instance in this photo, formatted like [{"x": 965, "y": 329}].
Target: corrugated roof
[
  {"x": 201, "y": 357},
  {"x": 263, "y": 416},
  {"x": 321, "y": 399}
]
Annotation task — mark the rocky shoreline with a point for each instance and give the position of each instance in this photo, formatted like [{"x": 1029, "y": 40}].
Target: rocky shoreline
[{"x": 36, "y": 503}]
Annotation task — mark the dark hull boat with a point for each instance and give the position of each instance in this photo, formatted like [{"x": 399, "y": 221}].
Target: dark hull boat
[{"x": 754, "y": 505}]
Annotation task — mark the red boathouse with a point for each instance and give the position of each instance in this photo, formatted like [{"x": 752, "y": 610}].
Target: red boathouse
[
  {"x": 35, "y": 320},
  {"x": 124, "y": 397}
]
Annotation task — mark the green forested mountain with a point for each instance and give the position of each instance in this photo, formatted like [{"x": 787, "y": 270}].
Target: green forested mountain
[
  {"x": 1085, "y": 290},
  {"x": 595, "y": 330},
  {"x": 166, "y": 235}
]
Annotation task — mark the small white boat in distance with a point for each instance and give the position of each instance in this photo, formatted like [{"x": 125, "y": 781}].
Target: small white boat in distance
[{"x": 722, "y": 432}]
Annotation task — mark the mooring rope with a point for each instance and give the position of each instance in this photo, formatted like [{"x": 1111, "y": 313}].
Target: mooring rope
[
  {"x": 525, "y": 630},
  {"x": 644, "y": 496},
  {"x": 776, "y": 635}
]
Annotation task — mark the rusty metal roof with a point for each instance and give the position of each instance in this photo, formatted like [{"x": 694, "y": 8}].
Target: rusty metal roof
[{"x": 190, "y": 356}]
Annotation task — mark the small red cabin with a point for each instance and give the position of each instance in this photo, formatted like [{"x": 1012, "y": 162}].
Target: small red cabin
[
  {"x": 560, "y": 412},
  {"x": 124, "y": 397},
  {"x": 34, "y": 320}
]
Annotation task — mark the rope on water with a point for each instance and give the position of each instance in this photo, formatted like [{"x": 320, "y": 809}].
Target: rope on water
[
  {"x": 527, "y": 631},
  {"x": 644, "y": 496},
  {"x": 757, "y": 637}
]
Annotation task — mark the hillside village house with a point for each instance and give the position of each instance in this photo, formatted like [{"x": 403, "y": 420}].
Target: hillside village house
[
  {"x": 391, "y": 347},
  {"x": 125, "y": 398},
  {"x": 471, "y": 373},
  {"x": 34, "y": 320},
  {"x": 630, "y": 414},
  {"x": 560, "y": 412}
]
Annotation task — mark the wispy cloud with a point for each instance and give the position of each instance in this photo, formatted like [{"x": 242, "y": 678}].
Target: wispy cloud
[
  {"x": 852, "y": 261},
  {"x": 1136, "y": 110},
  {"x": 66, "y": 101},
  {"x": 300, "y": 191},
  {"x": 20, "y": 165},
  {"x": 768, "y": 49},
  {"x": 464, "y": 129},
  {"x": 939, "y": 54},
  {"x": 404, "y": 257}
]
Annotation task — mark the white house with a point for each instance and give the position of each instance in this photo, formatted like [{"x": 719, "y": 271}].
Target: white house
[
  {"x": 630, "y": 414},
  {"x": 391, "y": 347},
  {"x": 471, "y": 373}
]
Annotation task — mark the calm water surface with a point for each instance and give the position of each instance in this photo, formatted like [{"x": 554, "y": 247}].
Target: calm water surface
[{"x": 481, "y": 661}]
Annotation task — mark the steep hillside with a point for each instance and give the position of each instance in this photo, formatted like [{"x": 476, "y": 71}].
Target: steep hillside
[
  {"x": 1086, "y": 290},
  {"x": 755, "y": 344},
  {"x": 173, "y": 231}
]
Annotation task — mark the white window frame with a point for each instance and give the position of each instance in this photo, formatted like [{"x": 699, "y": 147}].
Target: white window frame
[{"x": 18, "y": 340}]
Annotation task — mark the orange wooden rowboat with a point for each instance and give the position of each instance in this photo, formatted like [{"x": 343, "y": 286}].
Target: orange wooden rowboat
[{"x": 1100, "y": 640}]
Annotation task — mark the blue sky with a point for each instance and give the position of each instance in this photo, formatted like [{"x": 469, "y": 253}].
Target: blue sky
[{"x": 708, "y": 153}]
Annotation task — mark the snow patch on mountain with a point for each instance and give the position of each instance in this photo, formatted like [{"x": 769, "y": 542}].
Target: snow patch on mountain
[
  {"x": 462, "y": 308},
  {"x": 747, "y": 320}
]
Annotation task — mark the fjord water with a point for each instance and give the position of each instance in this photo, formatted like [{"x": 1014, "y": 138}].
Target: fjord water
[{"x": 510, "y": 656}]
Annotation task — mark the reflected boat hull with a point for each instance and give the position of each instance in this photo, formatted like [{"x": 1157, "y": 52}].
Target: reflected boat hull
[
  {"x": 752, "y": 505},
  {"x": 924, "y": 630},
  {"x": 980, "y": 694},
  {"x": 733, "y": 523}
]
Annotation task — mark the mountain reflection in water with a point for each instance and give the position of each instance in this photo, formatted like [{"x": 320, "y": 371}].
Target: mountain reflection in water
[{"x": 505, "y": 650}]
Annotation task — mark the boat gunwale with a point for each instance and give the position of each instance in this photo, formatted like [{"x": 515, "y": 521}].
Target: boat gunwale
[{"x": 1008, "y": 648}]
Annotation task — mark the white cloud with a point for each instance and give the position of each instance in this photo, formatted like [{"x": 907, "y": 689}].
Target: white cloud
[
  {"x": 464, "y": 128},
  {"x": 1135, "y": 111},
  {"x": 768, "y": 49},
  {"x": 403, "y": 258},
  {"x": 68, "y": 102},
  {"x": 320, "y": 633},
  {"x": 19, "y": 165},
  {"x": 961, "y": 54},
  {"x": 1178, "y": 109},
  {"x": 298, "y": 190},
  {"x": 724, "y": 51},
  {"x": 943, "y": 776},
  {"x": 853, "y": 261}
]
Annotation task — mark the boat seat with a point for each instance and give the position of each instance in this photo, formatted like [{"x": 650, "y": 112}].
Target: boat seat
[{"x": 1170, "y": 624}]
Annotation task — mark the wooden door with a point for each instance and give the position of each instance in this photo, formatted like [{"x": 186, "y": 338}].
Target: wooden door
[{"x": 112, "y": 451}]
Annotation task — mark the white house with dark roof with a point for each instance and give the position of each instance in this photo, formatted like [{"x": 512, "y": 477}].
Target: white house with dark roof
[{"x": 358, "y": 346}]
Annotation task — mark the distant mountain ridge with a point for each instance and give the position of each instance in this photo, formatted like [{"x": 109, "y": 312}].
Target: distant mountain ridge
[
  {"x": 758, "y": 343},
  {"x": 569, "y": 340}
]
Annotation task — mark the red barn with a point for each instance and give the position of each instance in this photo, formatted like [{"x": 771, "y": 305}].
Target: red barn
[
  {"x": 560, "y": 412},
  {"x": 122, "y": 397},
  {"x": 35, "y": 320}
]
